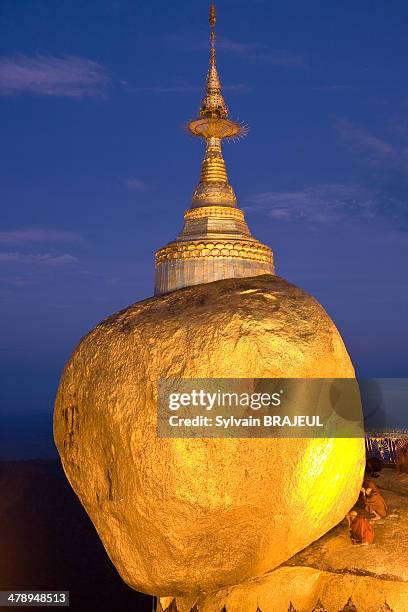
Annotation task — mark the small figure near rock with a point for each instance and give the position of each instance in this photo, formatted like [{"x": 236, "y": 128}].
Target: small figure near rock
[
  {"x": 373, "y": 466},
  {"x": 374, "y": 502},
  {"x": 361, "y": 532}
]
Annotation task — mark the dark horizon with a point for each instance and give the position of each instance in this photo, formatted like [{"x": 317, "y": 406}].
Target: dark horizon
[{"x": 48, "y": 542}]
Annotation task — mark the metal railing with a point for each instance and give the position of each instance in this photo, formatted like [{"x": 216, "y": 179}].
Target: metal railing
[
  {"x": 349, "y": 607},
  {"x": 385, "y": 445},
  {"x": 319, "y": 607}
]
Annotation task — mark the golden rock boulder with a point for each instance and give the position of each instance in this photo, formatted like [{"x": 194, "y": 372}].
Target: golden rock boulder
[{"x": 182, "y": 516}]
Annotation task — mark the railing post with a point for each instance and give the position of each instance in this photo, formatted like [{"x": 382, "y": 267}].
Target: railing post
[
  {"x": 349, "y": 607},
  {"x": 385, "y": 608}
]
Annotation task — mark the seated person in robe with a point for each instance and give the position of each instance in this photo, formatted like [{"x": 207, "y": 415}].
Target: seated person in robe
[
  {"x": 361, "y": 532},
  {"x": 374, "y": 502}
]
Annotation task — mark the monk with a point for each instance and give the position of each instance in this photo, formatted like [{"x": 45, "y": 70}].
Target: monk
[
  {"x": 361, "y": 532},
  {"x": 374, "y": 502}
]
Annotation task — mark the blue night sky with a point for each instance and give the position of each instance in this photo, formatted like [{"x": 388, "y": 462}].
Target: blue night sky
[{"x": 97, "y": 168}]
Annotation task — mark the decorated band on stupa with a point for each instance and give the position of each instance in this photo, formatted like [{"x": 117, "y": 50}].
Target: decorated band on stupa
[{"x": 215, "y": 241}]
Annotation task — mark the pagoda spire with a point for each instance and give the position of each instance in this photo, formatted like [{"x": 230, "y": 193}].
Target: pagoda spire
[
  {"x": 215, "y": 241},
  {"x": 213, "y": 125},
  {"x": 213, "y": 104}
]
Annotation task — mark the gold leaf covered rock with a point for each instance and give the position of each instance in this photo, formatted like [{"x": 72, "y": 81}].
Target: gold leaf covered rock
[{"x": 181, "y": 516}]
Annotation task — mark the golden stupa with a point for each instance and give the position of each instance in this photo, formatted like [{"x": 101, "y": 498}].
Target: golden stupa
[
  {"x": 186, "y": 517},
  {"x": 215, "y": 241}
]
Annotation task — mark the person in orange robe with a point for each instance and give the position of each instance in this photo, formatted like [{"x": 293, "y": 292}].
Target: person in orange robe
[
  {"x": 361, "y": 532},
  {"x": 374, "y": 502}
]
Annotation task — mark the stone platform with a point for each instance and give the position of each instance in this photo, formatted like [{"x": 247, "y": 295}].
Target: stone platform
[{"x": 332, "y": 569}]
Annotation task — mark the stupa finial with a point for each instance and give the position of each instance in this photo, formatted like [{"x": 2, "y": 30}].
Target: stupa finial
[
  {"x": 212, "y": 19},
  {"x": 213, "y": 104},
  {"x": 213, "y": 120},
  {"x": 213, "y": 125}
]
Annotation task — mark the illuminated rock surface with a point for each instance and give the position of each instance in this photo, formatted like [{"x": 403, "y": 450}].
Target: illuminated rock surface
[
  {"x": 387, "y": 557},
  {"x": 181, "y": 516},
  {"x": 331, "y": 569}
]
